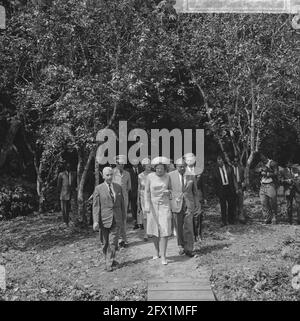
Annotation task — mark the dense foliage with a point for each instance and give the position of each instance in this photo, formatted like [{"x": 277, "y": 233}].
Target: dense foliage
[
  {"x": 15, "y": 202},
  {"x": 69, "y": 68}
]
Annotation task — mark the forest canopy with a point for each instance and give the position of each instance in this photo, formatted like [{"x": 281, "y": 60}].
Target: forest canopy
[{"x": 69, "y": 68}]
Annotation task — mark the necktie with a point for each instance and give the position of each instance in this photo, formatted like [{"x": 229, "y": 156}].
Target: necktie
[
  {"x": 111, "y": 193},
  {"x": 182, "y": 182}
]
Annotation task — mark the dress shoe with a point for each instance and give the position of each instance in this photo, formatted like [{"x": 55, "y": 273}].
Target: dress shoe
[
  {"x": 145, "y": 239},
  {"x": 181, "y": 251},
  {"x": 114, "y": 263},
  {"x": 141, "y": 226},
  {"x": 189, "y": 254},
  {"x": 268, "y": 222},
  {"x": 135, "y": 227},
  {"x": 108, "y": 269}
]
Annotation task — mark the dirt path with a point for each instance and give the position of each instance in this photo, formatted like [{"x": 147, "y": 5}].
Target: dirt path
[
  {"x": 136, "y": 265},
  {"x": 46, "y": 261}
]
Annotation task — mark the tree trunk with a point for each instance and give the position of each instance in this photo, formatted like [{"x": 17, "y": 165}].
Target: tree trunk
[
  {"x": 252, "y": 135},
  {"x": 13, "y": 130},
  {"x": 80, "y": 196},
  {"x": 207, "y": 109},
  {"x": 97, "y": 173},
  {"x": 40, "y": 188}
]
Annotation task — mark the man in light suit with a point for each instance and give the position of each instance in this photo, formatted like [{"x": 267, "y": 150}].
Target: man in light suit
[
  {"x": 184, "y": 204},
  {"x": 108, "y": 213}
]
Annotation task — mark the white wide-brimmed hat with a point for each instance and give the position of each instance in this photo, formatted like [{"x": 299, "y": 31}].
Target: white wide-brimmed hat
[
  {"x": 146, "y": 161},
  {"x": 160, "y": 160}
]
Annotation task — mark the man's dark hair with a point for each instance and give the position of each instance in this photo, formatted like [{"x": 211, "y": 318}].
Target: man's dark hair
[{"x": 65, "y": 165}]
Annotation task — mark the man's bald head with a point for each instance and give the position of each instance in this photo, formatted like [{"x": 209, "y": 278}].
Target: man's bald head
[{"x": 108, "y": 174}]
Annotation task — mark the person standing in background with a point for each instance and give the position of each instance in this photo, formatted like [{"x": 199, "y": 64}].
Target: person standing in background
[
  {"x": 268, "y": 189},
  {"x": 122, "y": 177},
  {"x": 287, "y": 178},
  {"x": 296, "y": 173},
  {"x": 64, "y": 183},
  {"x": 133, "y": 193},
  {"x": 225, "y": 188}
]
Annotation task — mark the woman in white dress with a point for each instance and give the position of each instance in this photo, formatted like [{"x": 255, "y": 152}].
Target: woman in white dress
[
  {"x": 142, "y": 215},
  {"x": 158, "y": 208}
]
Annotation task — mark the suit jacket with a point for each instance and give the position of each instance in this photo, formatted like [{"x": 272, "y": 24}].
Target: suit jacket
[
  {"x": 106, "y": 212},
  {"x": 124, "y": 181},
  {"x": 201, "y": 185},
  {"x": 134, "y": 178},
  {"x": 189, "y": 193},
  {"x": 218, "y": 185}
]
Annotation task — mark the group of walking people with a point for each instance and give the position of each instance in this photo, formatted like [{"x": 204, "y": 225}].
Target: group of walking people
[{"x": 166, "y": 199}]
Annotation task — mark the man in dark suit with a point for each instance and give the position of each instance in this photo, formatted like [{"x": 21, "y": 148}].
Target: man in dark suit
[
  {"x": 288, "y": 177},
  {"x": 297, "y": 191},
  {"x": 133, "y": 194},
  {"x": 109, "y": 214},
  {"x": 239, "y": 174},
  {"x": 225, "y": 188}
]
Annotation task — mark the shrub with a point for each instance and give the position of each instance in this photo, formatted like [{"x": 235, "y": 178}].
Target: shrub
[{"x": 16, "y": 201}]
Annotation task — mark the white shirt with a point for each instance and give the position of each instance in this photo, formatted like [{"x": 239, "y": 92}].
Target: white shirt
[
  {"x": 184, "y": 179},
  {"x": 191, "y": 169},
  {"x": 224, "y": 179}
]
